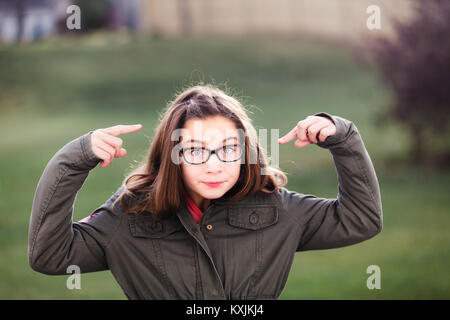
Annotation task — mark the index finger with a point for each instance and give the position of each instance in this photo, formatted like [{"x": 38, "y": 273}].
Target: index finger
[
  {"x": 289, "y": 136},
  {"x": 122, "y": 129}
]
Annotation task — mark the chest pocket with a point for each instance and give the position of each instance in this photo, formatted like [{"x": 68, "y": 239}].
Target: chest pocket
[
  {"x": 247, "y": 237},
  {"x": 144, "y": 226},
  {"x": 162, "y": 237},
  {"x": 253, "y": 217}
]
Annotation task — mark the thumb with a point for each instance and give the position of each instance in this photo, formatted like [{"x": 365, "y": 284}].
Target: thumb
[{"x": 122, "y": 153}]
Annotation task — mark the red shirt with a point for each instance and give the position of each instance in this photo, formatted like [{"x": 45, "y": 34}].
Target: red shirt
[{"x": 193, "y": 209}]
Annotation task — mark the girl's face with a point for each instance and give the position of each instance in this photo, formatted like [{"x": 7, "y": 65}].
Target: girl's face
[{"x": 210, "y": 133}]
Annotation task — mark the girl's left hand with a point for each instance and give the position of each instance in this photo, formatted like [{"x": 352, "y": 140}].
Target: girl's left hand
[{"x": 309, "y": 130}]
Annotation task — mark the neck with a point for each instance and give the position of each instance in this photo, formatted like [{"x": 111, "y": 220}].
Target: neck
[
  {"x": 200, "y": 202},
  {"x": 204, "y": 205}
]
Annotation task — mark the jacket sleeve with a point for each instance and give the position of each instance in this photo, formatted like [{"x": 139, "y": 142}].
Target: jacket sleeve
[
  {"x": 356, "y": 214},
  {"x": 54, "y": 241}
]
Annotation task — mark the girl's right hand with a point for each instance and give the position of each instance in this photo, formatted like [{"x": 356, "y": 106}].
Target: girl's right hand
[{"x": 107, "y": 146}]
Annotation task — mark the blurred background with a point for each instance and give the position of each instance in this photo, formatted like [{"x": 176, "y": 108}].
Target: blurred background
[{"x": 385, "y": 65}]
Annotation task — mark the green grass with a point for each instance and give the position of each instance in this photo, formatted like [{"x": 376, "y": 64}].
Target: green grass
[{"x": 52, "y": 92}]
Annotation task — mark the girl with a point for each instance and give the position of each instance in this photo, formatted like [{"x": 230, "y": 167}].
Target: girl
[{"x": 205, "y": 216}]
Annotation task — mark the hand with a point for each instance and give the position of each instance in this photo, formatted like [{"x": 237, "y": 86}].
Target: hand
[
  {"x": 107, "y": 146},
  {"x": 308, "y": 130}
]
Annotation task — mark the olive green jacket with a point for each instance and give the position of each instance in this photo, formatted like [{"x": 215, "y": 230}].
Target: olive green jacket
[{"x": 246, "y": 251}]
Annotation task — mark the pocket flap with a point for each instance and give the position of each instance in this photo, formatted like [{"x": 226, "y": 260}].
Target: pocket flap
[
  {"x": 143, "y": 225},
  {"x": 254, "y": 217}
]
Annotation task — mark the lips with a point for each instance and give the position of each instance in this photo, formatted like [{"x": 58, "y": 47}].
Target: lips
[{"x": 213, "y": 184}]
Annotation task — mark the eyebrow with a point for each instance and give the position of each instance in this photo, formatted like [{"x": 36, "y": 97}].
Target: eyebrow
[{"x": 226, "y": 139}]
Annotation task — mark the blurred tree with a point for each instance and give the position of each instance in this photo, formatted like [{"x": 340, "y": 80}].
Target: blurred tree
[
  {"x": 20, "y": 11},
  {"x": 415, "y": 64},
  {"x": 94, "y": 14}
]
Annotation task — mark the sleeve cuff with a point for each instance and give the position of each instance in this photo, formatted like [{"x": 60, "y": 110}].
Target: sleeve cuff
[
  {"x": 90, "y": 159},
  {"x": 342, "y": 126}
]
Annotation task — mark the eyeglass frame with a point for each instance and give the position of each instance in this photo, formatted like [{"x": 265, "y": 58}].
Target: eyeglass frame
[{"x": 213, "y": 151}]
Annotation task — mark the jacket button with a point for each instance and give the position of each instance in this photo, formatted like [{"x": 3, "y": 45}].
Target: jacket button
[
  {"x": 254, "y": 218},
  {"x": 209, "y": 226}
]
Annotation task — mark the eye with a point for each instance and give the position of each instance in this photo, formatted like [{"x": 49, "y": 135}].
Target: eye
[
  {"x": 195, "y": 151},
  {"x": 230, "y": 148}
]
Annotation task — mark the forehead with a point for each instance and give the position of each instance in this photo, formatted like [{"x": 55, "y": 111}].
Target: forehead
[{"x": 209, "y": 129}]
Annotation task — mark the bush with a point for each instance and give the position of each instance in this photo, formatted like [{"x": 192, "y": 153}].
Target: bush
[
  {"x": 94, "y": 14},
  {"x": 415, "y": 64}
]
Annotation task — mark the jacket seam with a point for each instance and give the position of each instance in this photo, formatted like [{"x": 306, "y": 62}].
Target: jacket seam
[
  {"x": 83, "y": 150},
  {"x": 88, "y": 156},
  {"x": 359, "y": 159},
  {"x": 162, "y": 267},
  {"x": 281, "y": 204},
  {"x": 110, "y": 239},
  {"x": 44, "y": 207},
  {"x": 199, "y": 286},
  {"x": 117, "y": 228},
  {"x": 259, "y": 242}
]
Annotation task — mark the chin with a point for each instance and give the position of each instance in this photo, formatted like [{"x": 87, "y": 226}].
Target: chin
[{"x": 213, "y": 193}]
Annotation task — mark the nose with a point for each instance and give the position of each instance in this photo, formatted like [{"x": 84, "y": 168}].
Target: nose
[{"x": 213, "y": 163}]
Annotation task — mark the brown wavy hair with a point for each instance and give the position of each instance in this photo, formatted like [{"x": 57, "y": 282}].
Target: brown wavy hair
[{"x": 156, "y": 185}]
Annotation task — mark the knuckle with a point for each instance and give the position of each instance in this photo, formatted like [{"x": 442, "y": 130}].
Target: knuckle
[
  {"x": 101, "y": 133},
  {"x": 106, "y": 156}
]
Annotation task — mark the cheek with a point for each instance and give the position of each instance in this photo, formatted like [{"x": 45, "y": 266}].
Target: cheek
[
  {"x": 234, "y": 171},
  {"x": 189, "y": 172}
]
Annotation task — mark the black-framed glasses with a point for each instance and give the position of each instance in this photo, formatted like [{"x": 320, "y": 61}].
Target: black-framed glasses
[{"x": 199, "y": 155}]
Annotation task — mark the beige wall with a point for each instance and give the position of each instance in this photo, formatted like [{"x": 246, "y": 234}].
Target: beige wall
[{"x": 334, "y": 19}]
